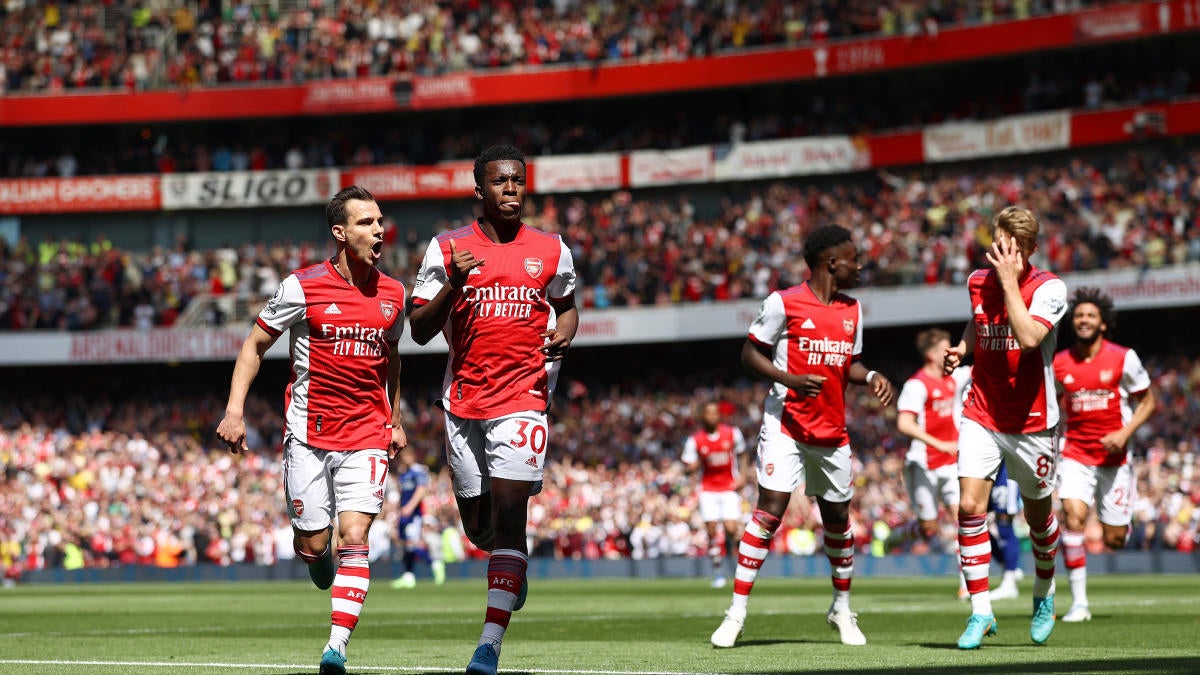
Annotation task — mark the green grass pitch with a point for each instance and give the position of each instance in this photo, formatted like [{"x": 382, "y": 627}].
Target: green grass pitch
[{"x": 1142, "y": 624}]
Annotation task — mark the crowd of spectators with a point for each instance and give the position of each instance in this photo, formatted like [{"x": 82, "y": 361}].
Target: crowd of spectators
[
  {"x": 1144, "y": 72},
  {"x": 1106, "y": 210},
  {"x": 138, "y": 44},
  {"x": 142, "y": 481}
]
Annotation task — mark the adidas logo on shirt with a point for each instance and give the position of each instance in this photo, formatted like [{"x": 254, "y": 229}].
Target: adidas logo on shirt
[
  {"x": 979, "y": 308},
  {"x": 1068, "y": 379},
  {"x": 332, "y": 309},
  {"x": 808, "y": 323}
]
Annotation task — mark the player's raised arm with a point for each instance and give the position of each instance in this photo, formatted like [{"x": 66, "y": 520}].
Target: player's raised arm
[
  {"x": 429, "y": 314},
  {"x": 1010, "y": 261}
]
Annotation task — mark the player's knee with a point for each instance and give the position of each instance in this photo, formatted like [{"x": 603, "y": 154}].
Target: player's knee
[
  {"x": 1073, "y": 520},
  {"x": 308, "y": 551},
  {"x": 972, "y": 506},
  {"x": 1115, "y": 540},
  {"x": 484, "y": 538}
]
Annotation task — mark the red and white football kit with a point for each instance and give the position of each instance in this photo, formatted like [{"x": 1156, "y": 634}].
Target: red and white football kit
[
  {"x": 336, "y": 401},
  {"x": 1097, "y": 393},
  {"x": 931, "y": 474},
  {"x": 717, "y": 454},
  {"x": 804, "y": 440},
  {"x": 497, "y": 385},
  {"x": 1011, "y": 411}
]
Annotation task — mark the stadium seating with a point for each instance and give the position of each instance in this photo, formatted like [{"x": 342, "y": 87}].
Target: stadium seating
[
  {"x": 1102, "y": 210},
  {"x": 127, "y": 44},
  {"x": 141, "y": 481}
]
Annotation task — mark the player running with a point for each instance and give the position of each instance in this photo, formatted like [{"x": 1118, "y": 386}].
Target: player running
[
  {"x": 929, "y": 409},
  {"x": 716, "y": 451},
  {"x": 342, "y": 404},
  {"x": 503, "y": 294},
  {"x": 807, "y": 341},
  {"x": 1108, "y": 396},
  {"x": 1010, "y": 415}
]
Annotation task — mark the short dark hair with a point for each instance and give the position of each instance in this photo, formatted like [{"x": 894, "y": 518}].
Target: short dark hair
[
  {"x": 929, "y": 337},
  {"x": 335, "y": 211},
  {"x": 822, "y": 239},
  {"x": 1102, "y": 301},
  {"x": 496, "y": 153}
]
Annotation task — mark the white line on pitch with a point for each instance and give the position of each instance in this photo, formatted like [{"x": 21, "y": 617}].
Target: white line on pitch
[{"x": 289, "y": 666}]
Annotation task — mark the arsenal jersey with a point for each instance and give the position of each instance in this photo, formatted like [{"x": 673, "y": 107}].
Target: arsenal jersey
[
  {"x": 1096, "y": 392},
  {"x": 936, "y": 402},
  {"x": 807, "y": 336},
  {"x": 717, "y": 454},
  {"x": 1013, "y": 391},
  {"x": 340, "y": 339},
  {"x": 494, "y": 329}
]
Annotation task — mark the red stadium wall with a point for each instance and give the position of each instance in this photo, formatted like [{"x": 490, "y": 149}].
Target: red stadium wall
[{"x": 374, "y": 95}]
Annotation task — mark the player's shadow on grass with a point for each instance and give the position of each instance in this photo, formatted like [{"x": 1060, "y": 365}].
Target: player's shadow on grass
[
  {"x": 393, "y": 671},
  {"x": 455, "y": 671},
  {"x": 1159, "y": 666},
  {"x": 953, "y": 646},
  {"x": 788, "y": 641}
]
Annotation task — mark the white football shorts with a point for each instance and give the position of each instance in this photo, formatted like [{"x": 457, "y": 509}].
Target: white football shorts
[
  {"x": 1030, "y": 458},
  {"x": 720, "y": 506},
  {"x": 784, "y": 464},
  {"x": 1112, "y": 486},
  {"x": 928, "y": 487},
  {"x": 319, "y": 483},
  {"x": 511, "y": 447}
]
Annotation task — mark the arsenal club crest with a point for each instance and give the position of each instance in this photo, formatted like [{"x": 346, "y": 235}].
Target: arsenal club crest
[
  {"x": 848, "y": 324},
  {"x": 770, "y": 469},
  {"x": 1106, "y": 376},
  {"x": 388, "y": 309},
  {"x": 297, "y": 507},
  {"x": 533, "y": 267}
]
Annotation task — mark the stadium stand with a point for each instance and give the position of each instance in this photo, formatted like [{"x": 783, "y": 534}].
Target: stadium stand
[
  {"x": 1101, "y": 210},
  {"x": 137, "y": 45},
  {"x": 1145, "y": 72},
  {"x": 140, "y": 480}
]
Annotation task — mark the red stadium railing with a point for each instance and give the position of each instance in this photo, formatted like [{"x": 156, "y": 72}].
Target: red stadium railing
[{"x": 376, "y": 95}]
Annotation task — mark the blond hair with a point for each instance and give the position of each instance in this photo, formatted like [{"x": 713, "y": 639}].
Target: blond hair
[
  {"x": 1020, "y": 224},
  {"x": 929, "y": 337}
]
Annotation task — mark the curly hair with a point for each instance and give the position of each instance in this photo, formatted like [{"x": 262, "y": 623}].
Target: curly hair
[
  {"x": 496, "y": 153},
  {"x": 822, "y": 239},
  {"x": 1097, "y": 297}
]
